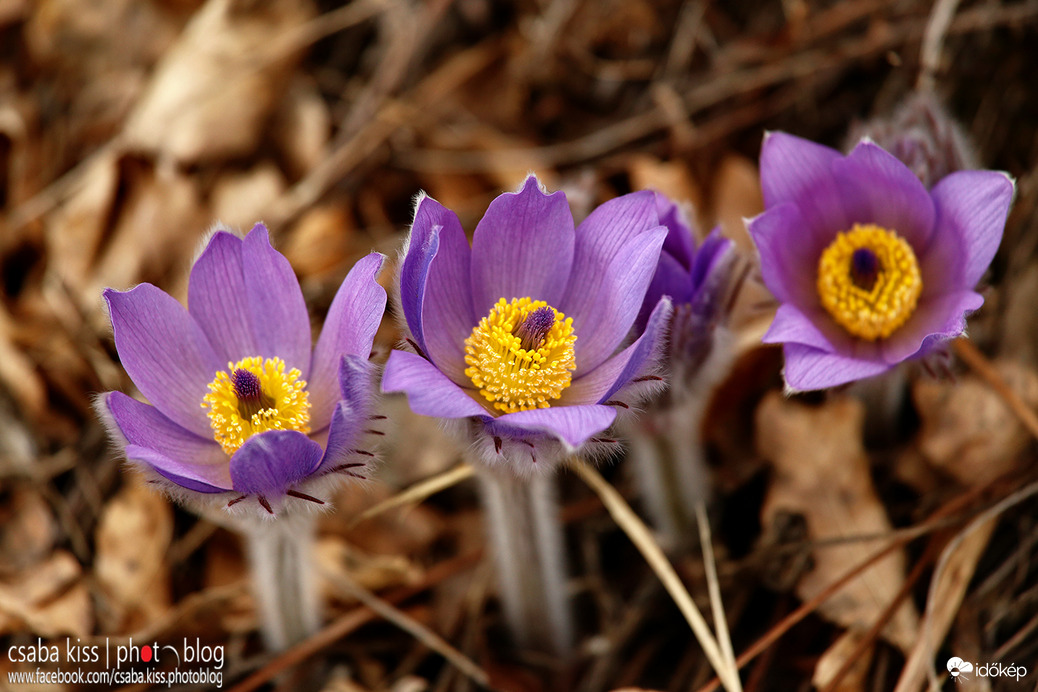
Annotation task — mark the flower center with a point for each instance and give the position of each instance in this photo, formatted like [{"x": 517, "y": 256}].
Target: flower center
[
  {"x": 520, "y": 356},
  {"x": 258, "y": 395},
  {"x": 869, "y": 281}
]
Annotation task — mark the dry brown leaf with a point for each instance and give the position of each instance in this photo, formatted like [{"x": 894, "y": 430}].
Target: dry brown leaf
[
  {"x": 320, "y": 241},
  {"x": 75, "y": 231},
  {"x": 337, "y": 558},
  {"x": 737, "y": 196},
  {"x": 215, "y": 89},
  {"x": 302, "y": 125},
  {"x": 133, "y": 537},
  {"x": 160, "y": 222},
  {"x": 967, "y": 430},
  {"x": 27, "y": 530},
  {"x": 238, "y": 198},
  {"x": 17, "y": 371},
  {"x": 822, "y": 474},
  {"x": 49, "y": 600},
  {"x": 672, "y": 178}
]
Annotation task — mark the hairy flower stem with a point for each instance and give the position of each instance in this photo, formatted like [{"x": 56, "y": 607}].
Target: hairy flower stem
[
  {"x": 671, "y": 471},
  {"x": 281, "y": 558},
  {"x": 525, "y": 533}
]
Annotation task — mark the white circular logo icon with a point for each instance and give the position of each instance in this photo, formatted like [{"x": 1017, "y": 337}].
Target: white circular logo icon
[{"x": 956, "y": 666}]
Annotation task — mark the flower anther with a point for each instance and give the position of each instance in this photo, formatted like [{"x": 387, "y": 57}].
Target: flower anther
[
  {"x": 521, "y": 356},
  {"x": 258, "y": 395},
  {"x": 869, "y": 281}
]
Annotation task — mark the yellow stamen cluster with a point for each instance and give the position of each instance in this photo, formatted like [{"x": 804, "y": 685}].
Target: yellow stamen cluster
[
  {"x": 514, "y": 378},
  {"x": 886, "y": 301},
  {"x": 285, "y": 403}
]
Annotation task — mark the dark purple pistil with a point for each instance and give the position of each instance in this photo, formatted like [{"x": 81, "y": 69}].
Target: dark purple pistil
[
  {"x": 865, "y": 268},
  {"x": 251, "y": 398},
  {"x": 535, "y": 327}
]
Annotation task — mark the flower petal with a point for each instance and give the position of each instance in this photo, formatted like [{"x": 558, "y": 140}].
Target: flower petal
[
  {"x": 679, "y": 243},
  {"x": 808, "y": 368},
  {"x": 179, "y": 455},
  {"x": 273, "y": 461},
  {"x": 573, "y": 425},
  {"x": 429, "y": 391},
  {"x": 351, "y": 413},
  {"x": 169, "y": 469},
  {"x": 714, "y": 249},
  {"x": 971, "y": 215},
  {"x": 788, "y": 256},
  {"x": 436, "y": 287},
  {"x": 799, "y": 171},
  {"x": 276, "y": 307},
  {"x": 611, "y": 376},
  {"x": 877, "y": 188},
  {"x": 349, "y": 328},
  {"x": 217, "y": 298},
  {"x": 618, "y": 249},
  {"x": 943, "y": 317},
  {"x": 670, "y": 279},
  {"x": 791, "y": 325},
  {"x": 523, "y": 246},
  {"x": 165, "y": 353}
]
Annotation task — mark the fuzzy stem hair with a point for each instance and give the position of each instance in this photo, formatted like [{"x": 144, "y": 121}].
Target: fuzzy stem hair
[{"x": 525, "y": 534}]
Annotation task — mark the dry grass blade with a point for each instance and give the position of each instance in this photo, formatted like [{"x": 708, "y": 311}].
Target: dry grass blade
[
  {"x": 976, "y": 360},
  {"x": 416, "y": 629},
  {"x": 419, "y": 492},
  {"x": 724, "y": 637},
  {"x": 642, "y": 538}
]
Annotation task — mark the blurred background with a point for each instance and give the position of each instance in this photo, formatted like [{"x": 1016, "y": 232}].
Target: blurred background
[{"x": 129, "y": 127}]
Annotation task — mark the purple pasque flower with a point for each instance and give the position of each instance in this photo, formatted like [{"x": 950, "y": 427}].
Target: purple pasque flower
[
  {"x": 517, "y": 335},
  {"x": 698, "y": 281},
  {"x": 241, "y": 406},
  {"x": 870, "y": 268}
]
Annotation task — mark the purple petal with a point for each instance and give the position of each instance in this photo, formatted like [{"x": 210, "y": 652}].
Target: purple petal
[
  {"x": 163, "y": 465},
  {"x": 670, "y": 279},
  {"x": 276, "y": 307},
  {"x": 619, "y": 299},
  {"x": 574, "y": 425},
  {"x": 808, "y": 368},
  {"x": 679, "y": 242},
  {"x": 618, "y": 249},
  {"x": 523, "y": 246},
  {"x": 799, "y": 171},
  {"x": 713, "y": 251},
  {"x": 351, "y": 413},
  {"x": 165, "y": 353},
  {"x": 604, "y": 381},
  {"x": 179, "y": 455},
  {"x": 788, "y": 257},
  {"x": 217, "y": 298},
  {"x": 877, "y": 188},
  {"x": 971, "y": 215},
  {"x": 941, "y": 316},
  {"x": 793, "y": 326},
  {"x": 350, "y": 327},
  {"x": 429, "y": 391},
  {"x": 272, "y": 462},
  {"x": 436, "y": 287}
]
